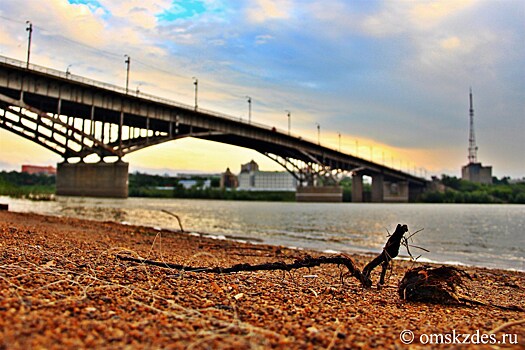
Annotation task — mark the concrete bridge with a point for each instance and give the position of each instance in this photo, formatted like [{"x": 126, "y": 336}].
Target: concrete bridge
[{"x": 76, "y": 117}]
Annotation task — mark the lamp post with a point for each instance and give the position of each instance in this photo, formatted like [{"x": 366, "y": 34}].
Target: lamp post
[
  {"x": 68, "y": 72},
  {"x": 196, "y": 83},
  {"x": 128, "y": 63},
  {"x": 138, "y": 89},
  {"x": 318, "y": 133},
  {"x": 249, "y": 99},
  {"x": 339, "y": 142},
  {"x": 30, "y": 33},
  {"x": 289, "y": 115}
]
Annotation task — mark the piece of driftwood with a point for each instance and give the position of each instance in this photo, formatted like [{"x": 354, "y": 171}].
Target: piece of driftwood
[
  {"x": 307, "y": 262},
  {"x": 432, "y": 284},
  {"x": 439, "y": 285},
  {"x": 390, "y": 251}
]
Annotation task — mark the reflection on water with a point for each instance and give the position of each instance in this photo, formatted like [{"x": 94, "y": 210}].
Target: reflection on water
[
  {"x": 95, "y": 213},
  {"x": 484, "y": 235}
]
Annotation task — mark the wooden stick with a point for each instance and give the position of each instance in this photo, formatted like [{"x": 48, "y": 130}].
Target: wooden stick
[
  {"x": 308, "y": 262},
  {"x": 176, "y": 217}
]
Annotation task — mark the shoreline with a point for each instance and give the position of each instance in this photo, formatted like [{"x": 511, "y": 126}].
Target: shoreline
[
  {"x": 503, "y": 256},
  {"x": 62, "y": 287}
]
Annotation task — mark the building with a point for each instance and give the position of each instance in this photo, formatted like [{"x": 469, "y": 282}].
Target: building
[
  {"x": 229, "y": 180},
  {"x": 200, "y": 184},
  {"x": 474, "y": 171},
  {"x": 252, "y": 179},
  {"x": 39, "y": 170},
  {"x": 249, "y": 167}
]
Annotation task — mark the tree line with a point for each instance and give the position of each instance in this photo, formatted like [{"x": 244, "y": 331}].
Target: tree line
[
  {"x": 462, "y": 191},
  {"x": 18, "y": 184}
]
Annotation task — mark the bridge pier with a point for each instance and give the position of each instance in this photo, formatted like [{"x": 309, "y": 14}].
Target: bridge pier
[
  {"x": 378, "y": 188},
  {"x": 396, "y": 191},
  {"x": 382, "y": 190},
  {"x": 357, "y": 188},
  {"x": 93, "y": 179}
]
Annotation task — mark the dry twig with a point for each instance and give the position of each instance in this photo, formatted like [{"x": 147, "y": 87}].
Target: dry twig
[{"x": 307, "y": 262}]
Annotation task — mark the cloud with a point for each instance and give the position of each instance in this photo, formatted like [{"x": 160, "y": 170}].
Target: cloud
[
  {"x": 450, "y": 43},
  {"x": 266, "y": 10},
  {"x": 263, "y": 39},
  {"x": 430, "y": 13},
  {"x": 135, "y": 12},
  {"x": 397, "y": 72},
  {"x": 410, "y": 18}
]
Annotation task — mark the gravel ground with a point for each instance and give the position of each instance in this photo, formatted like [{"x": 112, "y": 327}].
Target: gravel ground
[{"x": 61, "y": 286}]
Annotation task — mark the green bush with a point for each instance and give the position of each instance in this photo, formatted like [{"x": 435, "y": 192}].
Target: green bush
[
  {"x": 23, "y": 185},
  {"x": 461, "y": 191}
]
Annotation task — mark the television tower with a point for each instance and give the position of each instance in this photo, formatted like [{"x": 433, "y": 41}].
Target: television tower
[{"x": 472, "y": 148}]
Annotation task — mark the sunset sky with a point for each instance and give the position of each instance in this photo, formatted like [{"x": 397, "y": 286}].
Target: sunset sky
[{"x": 392, "y": 77}]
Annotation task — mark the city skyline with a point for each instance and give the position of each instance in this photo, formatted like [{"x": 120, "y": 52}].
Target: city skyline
[{"x": 392, "y": 78}]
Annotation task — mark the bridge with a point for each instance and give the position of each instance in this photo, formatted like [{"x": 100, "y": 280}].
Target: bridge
[{"x": 76, "y": 117}]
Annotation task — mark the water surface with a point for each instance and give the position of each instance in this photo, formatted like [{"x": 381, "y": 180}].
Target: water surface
[{"x": 481, "y": 235}]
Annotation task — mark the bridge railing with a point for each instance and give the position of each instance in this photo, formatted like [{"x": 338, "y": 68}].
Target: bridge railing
[{"x": 146, "y": 96}]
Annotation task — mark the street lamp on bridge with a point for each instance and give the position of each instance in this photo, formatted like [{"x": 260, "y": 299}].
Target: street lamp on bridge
[
  {"x": 318, "y": 133},
  {"x": 289, "y": 114},
  {"x": 128, "y": 63},
  {"x": 30, "y": 32},
  {"x": 196, "y": 83},
  {"x": 249, "y": 109}
]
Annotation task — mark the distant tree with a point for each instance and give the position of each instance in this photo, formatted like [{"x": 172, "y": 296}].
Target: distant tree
[{"x": 504, "y": 180}]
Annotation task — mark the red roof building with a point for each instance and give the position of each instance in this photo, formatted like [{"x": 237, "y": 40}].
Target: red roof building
[{"x": 35, "y": 169}]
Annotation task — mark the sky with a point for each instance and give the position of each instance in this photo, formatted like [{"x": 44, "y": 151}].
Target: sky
[{"x": 391, "y": 77}]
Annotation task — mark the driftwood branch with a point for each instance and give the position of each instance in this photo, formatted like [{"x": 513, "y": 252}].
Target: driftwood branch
[
  {"x": 390, "y": 251},
  {"x": 307, "y": 262},
  {"x": 420, "y": 284}
]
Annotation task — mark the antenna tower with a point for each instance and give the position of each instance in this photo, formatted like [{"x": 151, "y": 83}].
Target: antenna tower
[{"x": 472, "y": 148}]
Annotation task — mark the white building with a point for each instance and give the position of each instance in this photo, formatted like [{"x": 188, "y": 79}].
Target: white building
[
  {"x": 256, "y": 180},
  {"x": 188, "y": 184}
]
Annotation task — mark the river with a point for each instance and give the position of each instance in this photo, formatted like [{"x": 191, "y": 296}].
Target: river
[{"x": 482, "y": 235}]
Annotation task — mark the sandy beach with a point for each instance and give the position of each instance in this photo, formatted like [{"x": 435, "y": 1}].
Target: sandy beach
[{"x": 61, "y": 286}]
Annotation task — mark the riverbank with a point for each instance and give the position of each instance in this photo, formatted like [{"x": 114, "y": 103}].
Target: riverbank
[
  {"x": 447, "y": 190},
  {"x": 62, "y": 287}
]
